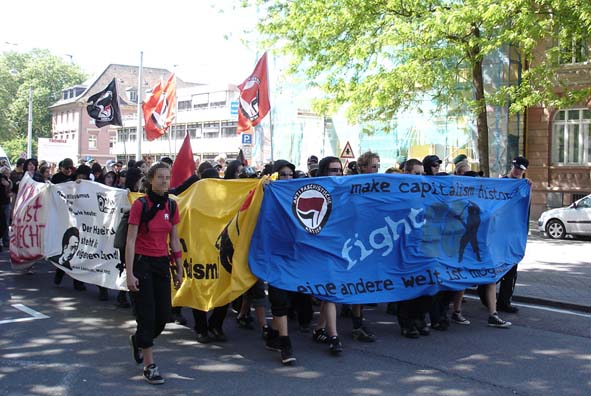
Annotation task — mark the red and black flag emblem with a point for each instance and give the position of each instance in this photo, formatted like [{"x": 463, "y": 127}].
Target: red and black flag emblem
[{"x": 103, "y": 106}]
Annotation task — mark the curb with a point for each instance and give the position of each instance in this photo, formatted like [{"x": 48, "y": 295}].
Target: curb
[{"x": 543, "y": 302}]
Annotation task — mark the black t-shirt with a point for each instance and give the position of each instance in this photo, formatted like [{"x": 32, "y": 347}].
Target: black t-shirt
[
  {"x": 4, "y": 192},
  {"x": 15, "y": 177},
  {"x": 61, "y": 178}
]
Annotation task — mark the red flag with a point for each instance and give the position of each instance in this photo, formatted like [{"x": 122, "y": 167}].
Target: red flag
[
  {"x": 159, "y": 110},
  {"x": 183, "y": 166},
  {"x": 254, "y": 97}
]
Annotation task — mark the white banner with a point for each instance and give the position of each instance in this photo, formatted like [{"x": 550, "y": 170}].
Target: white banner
[
  {"x": 28, "y": 223},
  {"x": 83, "y": 218}
]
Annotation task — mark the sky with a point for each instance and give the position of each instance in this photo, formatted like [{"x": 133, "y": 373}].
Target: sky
[{"x": 203, "y": 40}]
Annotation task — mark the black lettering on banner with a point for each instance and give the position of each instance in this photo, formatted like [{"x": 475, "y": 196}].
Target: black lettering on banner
[{"x": 346, "y": 289}]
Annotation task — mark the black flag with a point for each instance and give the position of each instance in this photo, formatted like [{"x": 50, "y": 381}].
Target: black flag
[{"x": 103, "y": 106}]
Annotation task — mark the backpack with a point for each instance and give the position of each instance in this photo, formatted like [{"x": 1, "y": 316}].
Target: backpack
[{"x": 121, "y": 232}]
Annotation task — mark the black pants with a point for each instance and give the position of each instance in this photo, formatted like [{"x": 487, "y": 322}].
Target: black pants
[
  {"x": 216, "y": 320},
  {"x": 412, "y": 313},
  {"x": 440, "y": 306},
  {"x": 302, "y": 303},
  {"x": 507, "y": 287},
  {"x": 152, "y": 302},
  {"x": 280, "y": 300}
]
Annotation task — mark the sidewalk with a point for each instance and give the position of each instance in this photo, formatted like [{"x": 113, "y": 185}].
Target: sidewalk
[{"x": 555, "y": 273}]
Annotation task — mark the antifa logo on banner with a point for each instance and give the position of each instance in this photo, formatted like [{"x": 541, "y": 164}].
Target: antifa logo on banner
[
  {"x": 312, "y": 205},
  {"x": 249, "y": 99},
  {"x": 103, "y": 106}
]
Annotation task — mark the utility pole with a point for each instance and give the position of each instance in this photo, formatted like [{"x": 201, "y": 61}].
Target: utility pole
[{"x": 30, "y": 125}]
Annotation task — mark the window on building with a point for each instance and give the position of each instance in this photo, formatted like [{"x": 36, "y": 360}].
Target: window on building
[
  {"x": 571, "y": 143},
  {"x": 573, "y": 51},
  {"x": 112, "y": 141},
  {"x": 133, "y": 95},
  {"x": 211, "y": 130},
  {"x": 229, "y": 128},
  {"x": 217, "y": 99},
  {"x": 92, "y": 142},
  {"x": 194, "y": 130},
  {"x": 184, "y": 105},
  {"x": 201, "y": 101}
]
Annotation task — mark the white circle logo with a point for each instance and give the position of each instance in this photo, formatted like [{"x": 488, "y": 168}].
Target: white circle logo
[{"x": 311, "y": 205}]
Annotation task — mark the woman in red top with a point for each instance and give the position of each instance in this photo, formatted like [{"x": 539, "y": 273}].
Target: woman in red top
[{"x": 147, "y": 260}]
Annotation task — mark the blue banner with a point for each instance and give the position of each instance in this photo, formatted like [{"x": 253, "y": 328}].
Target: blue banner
[{"x": 383, "y": 237}]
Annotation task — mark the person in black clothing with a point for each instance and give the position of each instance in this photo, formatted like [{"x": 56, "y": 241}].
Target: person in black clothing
[{"x": 66, "y": 172}]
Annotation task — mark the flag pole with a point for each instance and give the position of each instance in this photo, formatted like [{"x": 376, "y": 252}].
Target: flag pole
[
  {"x": 271, "y": 126},
  {"x": 139, "y": 135}
]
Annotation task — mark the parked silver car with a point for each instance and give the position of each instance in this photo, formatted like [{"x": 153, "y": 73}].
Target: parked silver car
[{"x": 574, "y": 220}]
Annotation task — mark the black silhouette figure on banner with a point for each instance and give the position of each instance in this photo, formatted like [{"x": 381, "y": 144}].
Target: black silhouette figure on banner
[
  {"x": 70, "y": 243},
  {"x": 472, "y": 223}
]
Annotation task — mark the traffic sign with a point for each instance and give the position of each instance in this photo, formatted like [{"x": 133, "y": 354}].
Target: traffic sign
[
  {"x": 347, "y": 151},
  {"x": 247, "y": 138}
]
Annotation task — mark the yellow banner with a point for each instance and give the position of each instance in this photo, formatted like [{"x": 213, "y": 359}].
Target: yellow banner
[{"x": 218, "y": 218}]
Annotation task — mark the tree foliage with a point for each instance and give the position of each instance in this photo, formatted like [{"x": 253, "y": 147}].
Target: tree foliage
[
  {"x": 382, "y": 56},
  {"x": 47, "y": 74}
]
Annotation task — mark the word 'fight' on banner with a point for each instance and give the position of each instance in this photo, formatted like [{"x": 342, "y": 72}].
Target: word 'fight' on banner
[{"x": 380, "y": 238}]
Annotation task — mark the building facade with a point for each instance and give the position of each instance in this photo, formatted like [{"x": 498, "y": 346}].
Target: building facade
[
  {"x": 559, "y": 140},
  {"x": 76, "y": 132}
]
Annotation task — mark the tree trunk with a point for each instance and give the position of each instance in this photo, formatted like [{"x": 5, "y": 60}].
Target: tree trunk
[{"x": 481, "y": 119}]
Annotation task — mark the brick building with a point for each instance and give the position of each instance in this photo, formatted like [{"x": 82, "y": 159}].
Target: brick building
[
  {"x": 77, "y": 132},
  {"x": 558, "y": 141}
]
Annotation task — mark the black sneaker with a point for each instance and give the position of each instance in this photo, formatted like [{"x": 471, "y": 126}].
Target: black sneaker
[
  {"x": 495, "y": 321},
  {"x": 334, "y": 345},
  {"x": 287, "y": 357},
  {"x": 410, "y": 332},
  {"x": 507, "y": 308},
  {"x": 152, "y": 375},
  {"x": 320, "y": 336},
  {"x": 458, "y": 318},
  {"x": 218, "y": 335},
  {"x": 203, "y": 338},
  {"x": 135, "y": 350},
  {"x": 273, "y": 344},
  {"x": 363, "y": 334}
]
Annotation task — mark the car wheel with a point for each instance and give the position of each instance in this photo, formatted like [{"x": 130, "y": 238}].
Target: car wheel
[{"x": 555, "y": 229}]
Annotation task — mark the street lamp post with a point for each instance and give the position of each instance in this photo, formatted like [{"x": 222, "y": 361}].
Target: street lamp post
[{"x": 30, "y": 125}]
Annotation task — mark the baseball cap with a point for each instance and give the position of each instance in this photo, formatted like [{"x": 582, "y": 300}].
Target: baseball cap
[
  {"x": 312, "y": 159},
  {"x": 282, "y": 163},
  {"x": 459, "y": 158},
  {"x": 67, "y": 163},
  {"x": 520, "y": 162}
]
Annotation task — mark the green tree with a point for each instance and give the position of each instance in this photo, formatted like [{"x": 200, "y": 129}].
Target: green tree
[
  {"x": 47, "y": 74},
  {"x": 382, "y": 56}
]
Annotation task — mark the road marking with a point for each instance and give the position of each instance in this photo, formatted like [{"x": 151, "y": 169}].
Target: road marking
[
  {"x": 542, "y": 308},
  {"x": 34, "y": 315}
]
